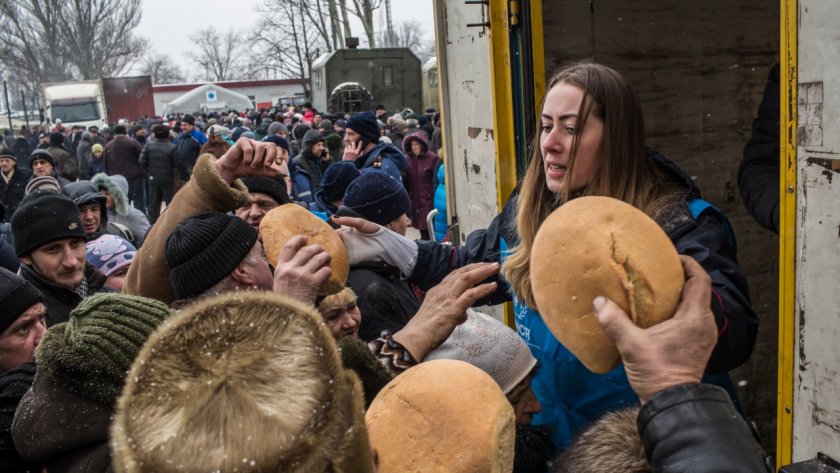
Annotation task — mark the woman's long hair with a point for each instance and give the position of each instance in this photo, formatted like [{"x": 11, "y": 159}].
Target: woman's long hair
[{"x": 623, "y": 171}]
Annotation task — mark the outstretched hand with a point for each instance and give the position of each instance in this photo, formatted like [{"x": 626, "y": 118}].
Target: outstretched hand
[
  {"x": 672, "y": 352},
  {"x": 445, "y": 307},
  {"x": 248, "y": 157}
]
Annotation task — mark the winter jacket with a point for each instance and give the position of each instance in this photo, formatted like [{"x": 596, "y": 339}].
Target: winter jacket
[
  {"x": 84, "y": 154},
  {"x": 188, "y": 146},
  {"x": 122, "y": 213},
  {"x": 13, "y": 385},
  {"x": 441, "y": 223},
  {"x": 122, "y": 156},
  {"x": 65, "y": 165},
  {"x": 60, "y": 300},
  {"x": 84, "y": 192},
  {"x": 758, "y": 174},
  {"x": 12, "y": 193},
  {"x": 571, "y": 396},
  {"x": 64, "y": 431},
  {"x": 419, "y": 179},
  {"x": 159, "y": 160},
  {"x": 694, "y": 428},
  {"x": 309, "y": 170},
  {"x": 385, "y": 157},
  {"x": 22, "y": 149},
  {"x": 148, "y": 275},
  {"x": 385, "y": 299},
  {"x": 8, "y": 257}
]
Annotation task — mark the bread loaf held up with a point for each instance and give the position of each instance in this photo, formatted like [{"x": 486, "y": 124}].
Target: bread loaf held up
[
  {"x": 283, "y": 223},
  {"x": 600, "y": 246},
  {"x": 442, "y": 416}
]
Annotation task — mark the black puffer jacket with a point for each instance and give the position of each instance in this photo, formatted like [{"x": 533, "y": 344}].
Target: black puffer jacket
[
  {"x": 159, "y": 159},
  {"x": 12, "y": 193},
  {"x": 694, "y": 428},
  {"x": 705, "y": 238},
  {"x": 758, "y": 174},
  {"x": 13, "y": 385},
  {"x": 385, "y": 299}
]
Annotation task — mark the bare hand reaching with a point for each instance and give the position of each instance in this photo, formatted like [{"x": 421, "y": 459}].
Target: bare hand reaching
[
  {"x": 301, "y": 270},
  {"x": 248, "y": 157},
  {"x": 445, "y": 307},
  {"x": 670, "y": 353}
]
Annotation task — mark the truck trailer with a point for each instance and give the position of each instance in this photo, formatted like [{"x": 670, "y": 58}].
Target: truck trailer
[{"x": 98, "y": 102}]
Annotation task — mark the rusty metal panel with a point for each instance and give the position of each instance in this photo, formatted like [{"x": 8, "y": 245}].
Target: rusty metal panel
[{"x": 816, "y": 409}]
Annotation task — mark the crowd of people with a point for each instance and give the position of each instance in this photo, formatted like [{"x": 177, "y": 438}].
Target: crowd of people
[{"x": 142, "y": 327}]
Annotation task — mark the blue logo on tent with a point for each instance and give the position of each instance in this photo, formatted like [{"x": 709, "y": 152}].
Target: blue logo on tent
[{"x": 211, "y": 95}]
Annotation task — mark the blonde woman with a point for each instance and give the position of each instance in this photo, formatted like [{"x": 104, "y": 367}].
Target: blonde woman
[{"x": 591, "y": 141}]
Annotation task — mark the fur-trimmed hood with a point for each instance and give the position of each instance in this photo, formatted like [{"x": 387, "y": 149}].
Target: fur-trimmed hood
[{"x": 117, "y": 186}]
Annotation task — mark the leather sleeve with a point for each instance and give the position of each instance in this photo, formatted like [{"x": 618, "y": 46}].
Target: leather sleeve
[{"x": 694, "y": 428}]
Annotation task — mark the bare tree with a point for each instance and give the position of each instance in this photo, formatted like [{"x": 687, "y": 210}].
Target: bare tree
[
  {"x": 55, "y": 40},
  {"x": 162, "y": 69},
  {"x": 364, "y": 11},
  {"x": 218, "y": 55},
  {"x": 289, "y": 43}
]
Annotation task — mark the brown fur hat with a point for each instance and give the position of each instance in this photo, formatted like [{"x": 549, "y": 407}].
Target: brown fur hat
[
  {"x": 610, "y": 445},
  {"x": 248, "y": 382}
]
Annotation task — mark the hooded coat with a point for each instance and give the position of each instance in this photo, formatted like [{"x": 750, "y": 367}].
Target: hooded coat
[
  {"x": 309, "y": 169},
  {"x": 65, "y": 165},
  {"x": 419, "y": 179},
  {"x": 84, "y": 155},
  {"x": 122, "y": 212},
  {"x": 384, "y": 157},
  {"x": 84, "y": 192}
]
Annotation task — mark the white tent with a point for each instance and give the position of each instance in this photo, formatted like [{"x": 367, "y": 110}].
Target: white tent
[{"x": 208, "y": 97}]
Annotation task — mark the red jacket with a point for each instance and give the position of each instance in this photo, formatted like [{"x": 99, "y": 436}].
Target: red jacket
[{"x": 419, "y": 179}]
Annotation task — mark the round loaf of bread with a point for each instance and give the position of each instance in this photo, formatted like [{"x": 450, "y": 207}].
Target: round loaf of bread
[
  {"x": 283, "y": 223},
  {"x": 599, "y": 246},
  {"x": 442, "y": 416}
]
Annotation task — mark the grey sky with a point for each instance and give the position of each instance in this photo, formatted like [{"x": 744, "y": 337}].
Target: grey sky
[{"x": 168, "y": 24}]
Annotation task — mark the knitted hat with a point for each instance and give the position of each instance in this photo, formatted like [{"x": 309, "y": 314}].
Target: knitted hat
[
  {"x": 56, "y": 138},
  {"x": 97, "y": 148},
  {"x": 337, "y": 179},
  {"x": 42, "y": 182},
  {"x": 276, "y": 127},
  {"x": 188, "y": 119},
  {"x": 7, "y": 153},
  {"x": 43, "y": 217},
  {"x": 229, "y": 363},
  {"x": 109, "y": 253},
  {"x": 41, "y": 154},
  {"x": 269, "y": 186},
  {"x": 364, "y": 124},
  {"x": 341, "y": 123},
  {"x": 204, "y": 249},
  {"x": 17, "y": 295},
  {"x": 120, "y": 130},
  {"x": 92, "y": 352},
  {"x": 378, "y": 197},
  {"x": 485, "y": 342},
  {"x": 281, "y": 142},
  {"x": 325, "y": 124}
]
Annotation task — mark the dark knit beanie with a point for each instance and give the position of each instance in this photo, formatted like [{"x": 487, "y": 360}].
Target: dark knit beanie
[
  {"x": 378, "y": 197},
  {"x": 337, "y": 179},
  {"x": 41, "y": 154},
  {"x": 268, "y": 186},
  {"x": 279, "y": 141},
  {"x": 91, "y": 354},
  {"x": 17, "y": 295},
  {"x": 188, "y": 119},
  {"x": 7, "y": 153},
  {"x": 42, "y": 217},
  {"x": 364, "y": 124},
  {"x": 204, "y": 249}
]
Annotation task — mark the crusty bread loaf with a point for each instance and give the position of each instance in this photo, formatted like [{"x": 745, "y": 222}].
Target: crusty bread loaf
[
  {"x": 283, "y": 223},
  {"x": 442, "y": 416},
  {"x": 598, "y": 246}
]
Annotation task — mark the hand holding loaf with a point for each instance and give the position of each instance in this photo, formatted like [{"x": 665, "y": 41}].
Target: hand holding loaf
[
  {"x": 599, "y": 246},
  {"x": 285, "y": 222}
]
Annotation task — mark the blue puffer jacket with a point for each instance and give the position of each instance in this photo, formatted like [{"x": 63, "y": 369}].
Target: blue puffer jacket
[
  {"x": 440, "y": 204},
  {"x": 571, "y": 396}
]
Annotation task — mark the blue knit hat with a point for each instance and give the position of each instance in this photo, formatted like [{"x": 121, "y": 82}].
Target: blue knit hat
[
  {"x": 337, "y": 179},
  {"x": 364, "y": 124},
  {"x": 378, "y": 197}
]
